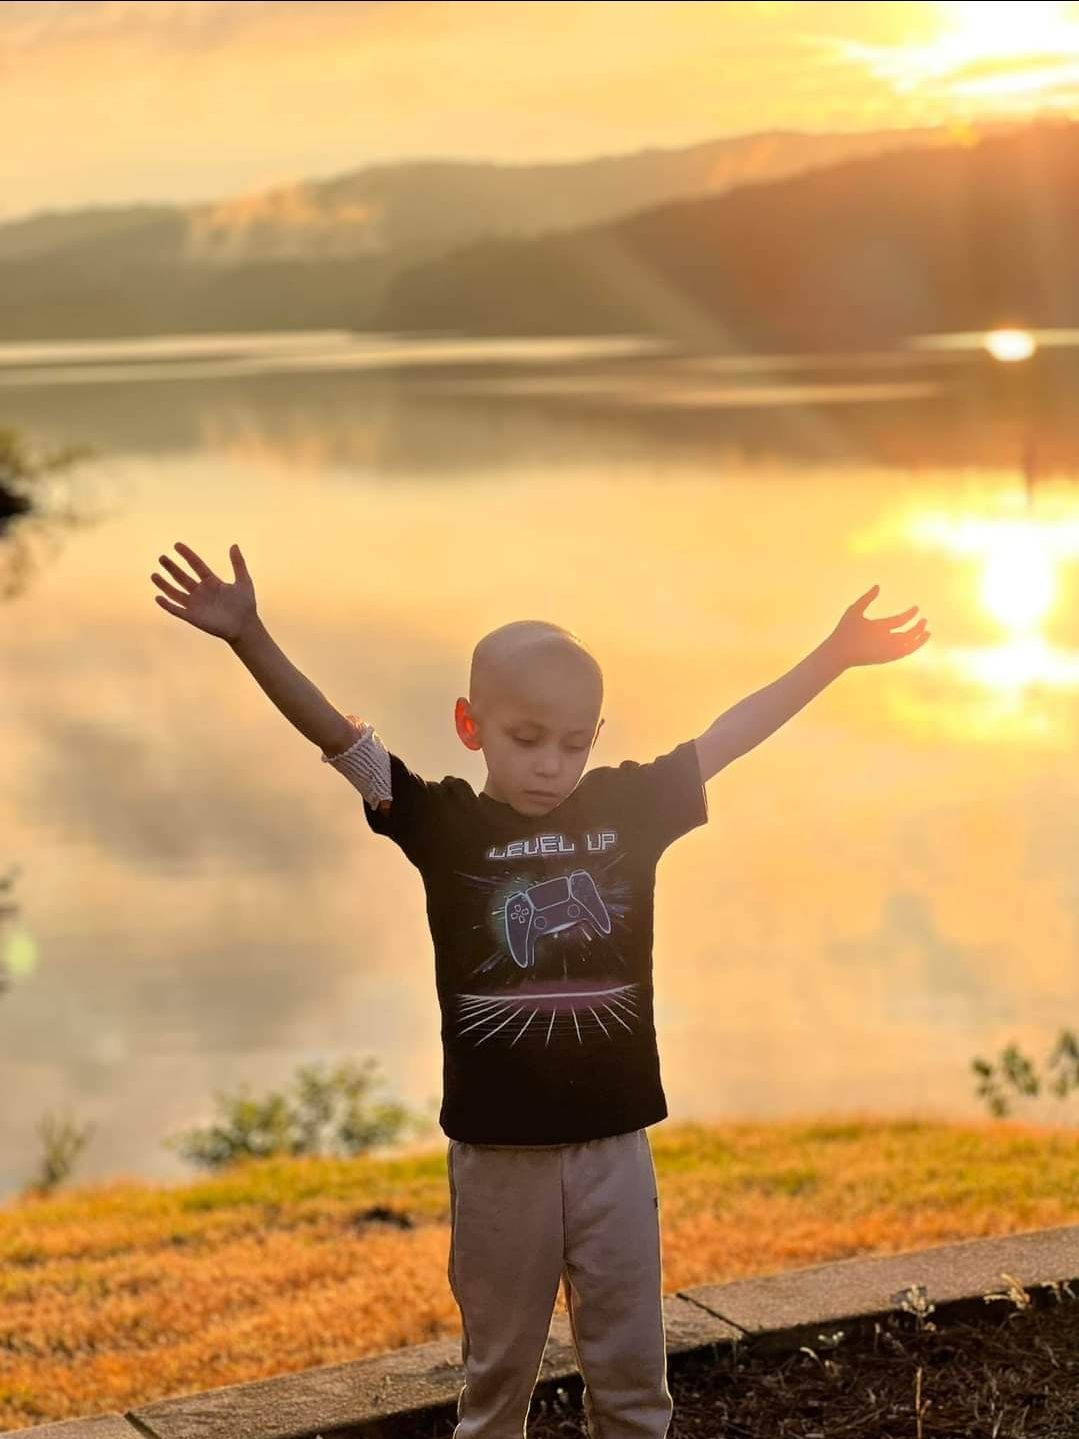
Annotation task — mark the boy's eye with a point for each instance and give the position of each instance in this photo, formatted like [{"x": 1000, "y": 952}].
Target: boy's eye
[{"x": 573, "y": 749}]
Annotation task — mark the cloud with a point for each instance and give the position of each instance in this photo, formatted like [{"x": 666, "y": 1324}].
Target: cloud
[
  {"x": 118, "y": 101},
  {"x": 27, "y": 25}
]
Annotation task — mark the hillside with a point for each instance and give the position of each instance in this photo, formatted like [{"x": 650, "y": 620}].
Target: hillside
[
  {"x": 861, "y": 253},
  {"x": 322, "y": 253}
]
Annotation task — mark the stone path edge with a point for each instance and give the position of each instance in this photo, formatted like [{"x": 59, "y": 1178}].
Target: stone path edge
[{"x": 384, "y": 1396}]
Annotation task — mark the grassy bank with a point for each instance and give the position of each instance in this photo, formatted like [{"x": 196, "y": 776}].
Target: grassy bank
[{"x": 115, "y": 1295}]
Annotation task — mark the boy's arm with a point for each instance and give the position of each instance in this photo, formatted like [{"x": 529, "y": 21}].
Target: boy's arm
[
  {"x": 230, "y": 611},
  {"x": 367, "y": 764},
  {"x": 292, "y": 692},
  {"x": 745, "y": 724},
  {"x": 855, "y": 640}
]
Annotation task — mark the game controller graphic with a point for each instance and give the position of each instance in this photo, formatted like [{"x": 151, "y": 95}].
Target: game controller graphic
[{"x": 549, "y": 907}]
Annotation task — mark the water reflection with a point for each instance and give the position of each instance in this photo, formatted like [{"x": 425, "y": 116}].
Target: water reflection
[
  {"x": 437, "y": 410},
  {"x": 886, "y": 886},
  {"x": 1020, "y": 585}
]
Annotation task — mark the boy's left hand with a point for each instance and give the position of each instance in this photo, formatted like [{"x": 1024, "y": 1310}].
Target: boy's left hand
[{"x": 857, "y": 640}]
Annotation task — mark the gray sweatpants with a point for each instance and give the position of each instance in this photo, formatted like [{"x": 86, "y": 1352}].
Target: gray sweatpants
[{"x": 524, "y": 1219}]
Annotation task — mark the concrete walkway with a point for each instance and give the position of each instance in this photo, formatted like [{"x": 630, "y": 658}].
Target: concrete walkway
[{"x": 385, "y": 1394}]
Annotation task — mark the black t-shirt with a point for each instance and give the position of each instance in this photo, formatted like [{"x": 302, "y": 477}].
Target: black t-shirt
[{"x": 542, "y": 928}]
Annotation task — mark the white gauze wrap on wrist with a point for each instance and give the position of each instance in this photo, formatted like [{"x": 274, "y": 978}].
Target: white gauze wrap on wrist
[{"x": 366, "y": 764}]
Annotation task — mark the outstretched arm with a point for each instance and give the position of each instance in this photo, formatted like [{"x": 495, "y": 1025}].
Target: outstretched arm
[
  {"x": 855, "y": 640},
  {"x": 230, "y": 612}
]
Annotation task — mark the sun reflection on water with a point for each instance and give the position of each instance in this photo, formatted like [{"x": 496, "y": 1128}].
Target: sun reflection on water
[{"x": 1019, "y": 585}]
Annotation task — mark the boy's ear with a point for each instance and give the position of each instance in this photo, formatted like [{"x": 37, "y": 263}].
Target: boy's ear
[{"x": 466, "y": 724}]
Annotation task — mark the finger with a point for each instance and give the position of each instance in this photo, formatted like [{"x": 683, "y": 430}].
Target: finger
[
  {"x": 890, "y": 620},
  {"x": 173, "y": 609},
  {"x": 862, "y": 602},
  {"x": 176, "y": 572},
  {"x": 239, "y": 566},
  {"x": 199, "y": 565},
  {"x": 176, "y": 594}
]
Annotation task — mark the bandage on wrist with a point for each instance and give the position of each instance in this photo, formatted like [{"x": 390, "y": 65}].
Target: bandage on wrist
[{"x": 365, "y": 764}]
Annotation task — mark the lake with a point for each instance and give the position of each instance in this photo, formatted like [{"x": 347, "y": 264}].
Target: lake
[{"x": 887, "y": 886}]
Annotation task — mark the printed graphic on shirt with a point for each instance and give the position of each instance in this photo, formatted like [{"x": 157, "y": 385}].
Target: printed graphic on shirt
[
  {"x": 595, "y": 842},
  {"x": 557, "y": 948},
  {"x": 575, "y": 1010},
  {"x": 548, "y": 908}
]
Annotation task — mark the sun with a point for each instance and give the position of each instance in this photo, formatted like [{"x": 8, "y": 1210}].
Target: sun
[
  {"x": 993, "y": 52},
  {"x": 997, "y": 28},
  {"x": 1010, "y": 345},
  {"x": 1000, "y": 52}
]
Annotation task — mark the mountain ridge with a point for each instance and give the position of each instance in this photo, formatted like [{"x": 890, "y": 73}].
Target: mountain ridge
[
  {"x": 865, "y": 251},
  {"x": 328, "y": 255}
]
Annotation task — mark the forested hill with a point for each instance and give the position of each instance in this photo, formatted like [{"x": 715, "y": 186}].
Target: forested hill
[
  {"x": 861, "y": 252},
  {"x": 321, "y": 253}
]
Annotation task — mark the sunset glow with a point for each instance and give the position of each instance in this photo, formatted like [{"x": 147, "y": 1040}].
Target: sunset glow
[
  {"x": 213, "y": 100},
  {"x": 998, "y": 28},
  {"x": 1010, "y": 345},
  {"x": 994, "y": 52},
  {"x": 1018, "y": 580}
]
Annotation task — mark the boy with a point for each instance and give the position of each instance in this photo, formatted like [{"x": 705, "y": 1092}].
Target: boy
[{"x": 539, "y": 900}]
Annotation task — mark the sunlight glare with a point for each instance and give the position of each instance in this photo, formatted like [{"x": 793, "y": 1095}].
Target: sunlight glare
[
  {"x": 1005, "y": 27},
  {"x": 1017, "y": 581},
  {"x": 983, "y": 51},
  {"x": 1010, "y": 345},
  {"x": 1018, "y": 578}
]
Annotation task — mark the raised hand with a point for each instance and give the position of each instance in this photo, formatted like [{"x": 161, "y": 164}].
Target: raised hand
[
  {"x": 208, "y": 603},
  {"x": 857, "y": 640}
]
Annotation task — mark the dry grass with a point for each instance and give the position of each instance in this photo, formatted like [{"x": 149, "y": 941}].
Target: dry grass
[{"x": 112, "y": 1296}]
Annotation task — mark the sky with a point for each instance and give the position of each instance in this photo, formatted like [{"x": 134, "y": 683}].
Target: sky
[{"x": 119, "y": 101}]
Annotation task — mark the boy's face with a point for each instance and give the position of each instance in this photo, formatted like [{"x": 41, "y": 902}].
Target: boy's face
[{"x": 536, "y": 729}]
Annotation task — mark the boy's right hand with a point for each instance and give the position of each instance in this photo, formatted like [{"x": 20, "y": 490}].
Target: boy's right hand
[{"x": 208, "y": 603}]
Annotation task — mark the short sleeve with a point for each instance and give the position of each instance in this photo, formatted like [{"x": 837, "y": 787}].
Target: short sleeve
[
  {"x": 667, "y": 797},
  {"x": 409, "y": 819}
]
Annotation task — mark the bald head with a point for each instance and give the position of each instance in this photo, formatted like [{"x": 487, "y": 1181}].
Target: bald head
[
  {"x": 538, "y": 668},
  {"x": 533, "y": 660}
]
